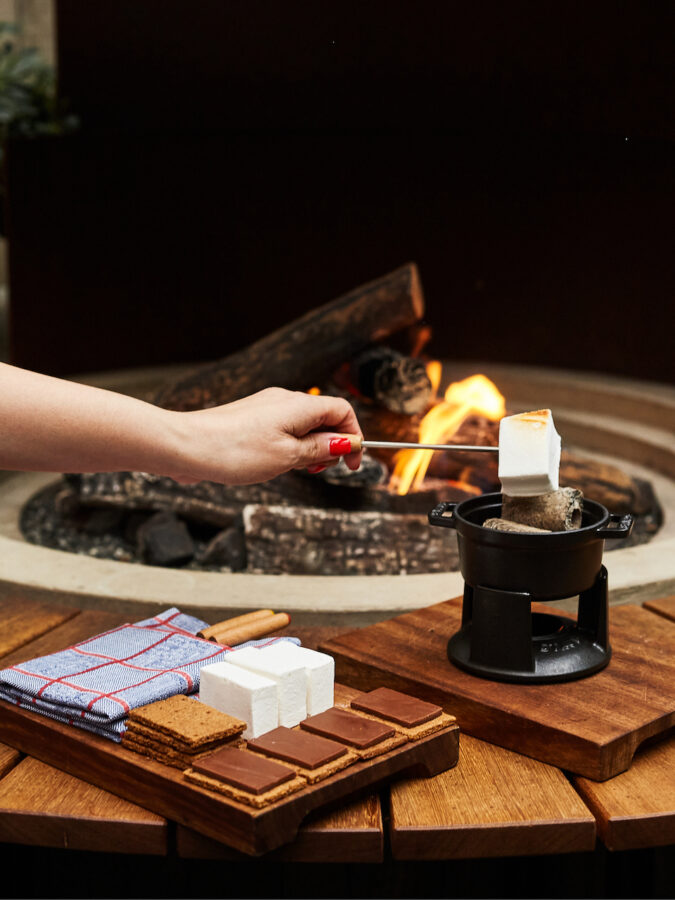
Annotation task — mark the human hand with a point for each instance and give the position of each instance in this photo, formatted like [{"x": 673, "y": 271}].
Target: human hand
[{"x": 262, "y": 436}]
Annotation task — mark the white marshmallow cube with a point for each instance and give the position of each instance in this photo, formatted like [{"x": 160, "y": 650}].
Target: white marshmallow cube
[
  {"x": 290, "y": 678},
  {"x": 529, "y": 454},
  {"x": 241, "y": 693},
  {"x": 319, "y": 669}
]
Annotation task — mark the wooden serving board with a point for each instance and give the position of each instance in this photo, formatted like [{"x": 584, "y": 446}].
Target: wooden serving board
[
  {"x": 163, "y": 790},
  {"x": 591, "y": 726}
]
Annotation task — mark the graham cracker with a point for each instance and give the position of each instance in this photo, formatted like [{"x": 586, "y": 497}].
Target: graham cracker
[
  {"x": 383, "y": 747},
  {"x": 167, "y": 754},
  {"x": 169, "y": 759},
  {"x": 321, "y": 772},
  {"x": 188, "y": 720},
  {"x": 442, "y": 720},
  {"x": 259, "y": 801},
  {"x": 159, "y": 737}
]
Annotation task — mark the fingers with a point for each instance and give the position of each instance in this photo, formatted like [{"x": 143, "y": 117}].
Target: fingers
[{"x": 323, "y": 448}]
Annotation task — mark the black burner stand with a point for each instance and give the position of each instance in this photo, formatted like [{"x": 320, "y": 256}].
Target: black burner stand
[{"x": 502, "y": 639}]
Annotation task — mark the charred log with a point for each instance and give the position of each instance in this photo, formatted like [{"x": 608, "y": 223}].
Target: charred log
[
  {"x": 308, "y": 350},
  {"x": 391, "y": 380},
  {"x": 295, "y": 540}
]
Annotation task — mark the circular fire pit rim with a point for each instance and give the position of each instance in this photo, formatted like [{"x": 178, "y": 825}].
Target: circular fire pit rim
[{"x": 46, "y": 574}]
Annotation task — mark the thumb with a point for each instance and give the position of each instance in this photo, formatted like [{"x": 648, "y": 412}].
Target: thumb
[{"x": 321, "y": 447}]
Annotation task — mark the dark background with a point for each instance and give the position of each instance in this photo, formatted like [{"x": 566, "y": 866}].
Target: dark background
[{"x": 241, "y": 162}]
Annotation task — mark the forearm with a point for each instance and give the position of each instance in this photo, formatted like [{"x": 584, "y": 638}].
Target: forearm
[{"x": 51, "y": 425}]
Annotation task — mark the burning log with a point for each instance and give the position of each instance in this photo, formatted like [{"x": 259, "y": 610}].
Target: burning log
[
  {"x": 554, "y": 511},
  {"x": 301, "y": 540},
  {"x": 308, "y": 350},
  {"x": 396, "y": 382},
  {"x": 506, "y": 525}
]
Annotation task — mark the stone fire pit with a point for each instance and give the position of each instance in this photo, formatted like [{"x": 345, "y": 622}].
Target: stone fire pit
[{"x": 635, "y": 437}]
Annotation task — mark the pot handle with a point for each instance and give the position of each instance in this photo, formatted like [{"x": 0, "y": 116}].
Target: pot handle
[
  {"x": 624, "y": 526},
  {"x": 437, "y": 517}
]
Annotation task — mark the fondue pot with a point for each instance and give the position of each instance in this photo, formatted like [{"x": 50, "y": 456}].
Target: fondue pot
[{"x": 504, "y": 572}]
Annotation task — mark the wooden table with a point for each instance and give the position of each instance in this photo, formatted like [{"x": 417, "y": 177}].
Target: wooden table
[{"x": 494, "y": 804}]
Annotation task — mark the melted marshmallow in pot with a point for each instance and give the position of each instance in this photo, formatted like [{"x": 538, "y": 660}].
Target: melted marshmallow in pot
[{"x": 529, "y": 454}]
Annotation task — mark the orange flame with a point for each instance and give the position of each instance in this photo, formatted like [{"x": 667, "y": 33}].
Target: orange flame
[
  {"x": 314, "y": 390},
  {"x": 475, "y": 395}
]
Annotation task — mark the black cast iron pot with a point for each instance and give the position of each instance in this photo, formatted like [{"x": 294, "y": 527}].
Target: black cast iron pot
[{"x": 547, "y": 566}]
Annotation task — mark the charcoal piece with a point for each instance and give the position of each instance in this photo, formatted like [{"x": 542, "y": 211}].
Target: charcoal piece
[
  {"x": 132, "y": 523},
  {"x": 165, "y": 541},
  {"x": 227, "y": 548},
  {"x": 102, "y": 521},
  {"x": 371, "y": 471},
  {"x": 553, "y": 511},
  {"x": 508, "y": 525}
]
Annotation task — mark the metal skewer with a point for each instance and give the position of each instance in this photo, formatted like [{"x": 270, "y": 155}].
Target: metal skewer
[{"x": 400, "y": 445}]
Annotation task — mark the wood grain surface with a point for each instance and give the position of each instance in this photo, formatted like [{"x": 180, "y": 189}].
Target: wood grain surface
[
  {"x": 25, "y": 620},
  {"x": 664, "y": 607},
  {"x": 637, "y": 808},
  {"x": 164, "y": 790},
  {"x": 9, "y": 757},
  {"x": 351, "y": 833},
  {"x": 43, "y": 806},
  {"x": 84, "y": 625},
  {"x": 591, "y": 726},
  {"x": 493, "y": 803}
]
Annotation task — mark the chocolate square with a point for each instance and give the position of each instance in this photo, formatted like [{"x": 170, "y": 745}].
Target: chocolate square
[
  {"x": 247, "y": 771},
  {"x": 299, "y": 747},
  {"x": 348, "y": 728},
  {"x": 400, "y": 708}
]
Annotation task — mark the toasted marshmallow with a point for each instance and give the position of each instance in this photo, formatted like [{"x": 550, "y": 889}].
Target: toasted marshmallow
[
  {"x": 242, "y": 694},
  {"x": 529, "y": 454},
  {"x": 289, "y": 676}
]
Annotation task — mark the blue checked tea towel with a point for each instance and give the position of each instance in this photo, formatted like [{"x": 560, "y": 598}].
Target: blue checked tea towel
[{"x": 94, "y": 684}]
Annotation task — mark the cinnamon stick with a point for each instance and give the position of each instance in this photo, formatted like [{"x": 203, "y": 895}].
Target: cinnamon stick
[
  {"x": 234, "y": 622},
  {"x": 250, "y": 631}
]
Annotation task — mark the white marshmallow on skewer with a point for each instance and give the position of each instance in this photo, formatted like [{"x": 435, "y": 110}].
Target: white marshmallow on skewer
[
  {"x": 319, "y": 669},
  {"x": 242, "y": 694},
  {"x": 529, "y": 454},
  {"x": 289, "y": 675}
]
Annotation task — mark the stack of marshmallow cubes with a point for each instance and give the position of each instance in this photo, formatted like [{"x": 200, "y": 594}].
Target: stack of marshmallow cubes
[{"x": 280, "y": 684}]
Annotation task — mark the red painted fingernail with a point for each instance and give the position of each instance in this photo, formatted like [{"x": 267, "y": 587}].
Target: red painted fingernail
[
  {"x": 340, "y": 446},
  {"x": 314, "y": 469}
]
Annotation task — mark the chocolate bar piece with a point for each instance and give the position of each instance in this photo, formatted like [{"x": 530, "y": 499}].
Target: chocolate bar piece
[
  {"x": 247, "y": 771},
  {"x": 299, "y": 747},
  {"x": 348, "y": 727},
  {"x": 397, "y": 707}
]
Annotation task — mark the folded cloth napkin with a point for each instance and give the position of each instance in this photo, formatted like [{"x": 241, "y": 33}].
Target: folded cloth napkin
[{"x": 94, "y": 684}]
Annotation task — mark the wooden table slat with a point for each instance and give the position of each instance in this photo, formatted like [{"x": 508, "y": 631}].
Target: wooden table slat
[
  {"x": 352, "y": 833},
  {"x": 636, "y": 808},
  {"x": 9, "y": 757},
  {"x": 87, "y": 624},
  {"x": 25, "y": 620},
  {"x": 42, "y": 806},
  {"x": 493, "y": 803},
  {"x": 590, "y": 726},
  {"x": 664, "y": 607}
]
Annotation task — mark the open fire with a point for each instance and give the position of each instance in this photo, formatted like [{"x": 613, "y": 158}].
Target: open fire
[
  {"x": 367, "y": 347},
  {"x": 476, "y": 395}
]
